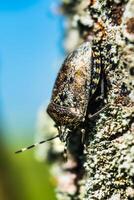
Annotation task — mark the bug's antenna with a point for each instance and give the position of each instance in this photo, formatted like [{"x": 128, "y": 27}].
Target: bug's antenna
[{"x": 36, "y": 144}]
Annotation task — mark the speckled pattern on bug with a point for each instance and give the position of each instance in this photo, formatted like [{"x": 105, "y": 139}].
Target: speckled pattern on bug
[{"x": 75, "y": 84}]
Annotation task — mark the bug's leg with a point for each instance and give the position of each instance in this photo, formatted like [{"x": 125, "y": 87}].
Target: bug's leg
[
  {"x": 64, "y": 138},
  {"x": 98, "y": 112},
  {"x": 102, "y": 89},
  {"x": 65, "y": 154},
  {"x": 83, "y": 136}
]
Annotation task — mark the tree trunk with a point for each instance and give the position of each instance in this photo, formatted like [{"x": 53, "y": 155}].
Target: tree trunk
[{"x": 101, "y": 164}]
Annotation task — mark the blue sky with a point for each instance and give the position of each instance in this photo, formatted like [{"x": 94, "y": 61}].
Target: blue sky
[{"x": 30, "y": 56}]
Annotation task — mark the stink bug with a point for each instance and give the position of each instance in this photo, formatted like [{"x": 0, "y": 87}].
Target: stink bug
[
  {"x": 73, "y": 88},
  {"x": 76, "y": 82}
]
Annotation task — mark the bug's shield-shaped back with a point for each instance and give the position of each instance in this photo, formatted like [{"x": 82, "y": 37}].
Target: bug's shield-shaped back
[{"x": 70, "y": 94}]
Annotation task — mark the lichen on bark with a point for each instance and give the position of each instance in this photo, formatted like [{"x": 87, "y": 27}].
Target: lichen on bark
[{"x": 102, "y": 168}]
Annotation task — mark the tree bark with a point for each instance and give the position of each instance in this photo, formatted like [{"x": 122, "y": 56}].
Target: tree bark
[{"x": 102, "y": 167}]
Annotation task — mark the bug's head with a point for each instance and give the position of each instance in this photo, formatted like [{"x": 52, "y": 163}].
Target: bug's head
[
  {"x": 64, "y": 116},
  {"x": 63, "y": 132}
]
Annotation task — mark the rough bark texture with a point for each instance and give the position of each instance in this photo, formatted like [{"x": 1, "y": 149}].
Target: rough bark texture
[{"x": 103, "y": 166}]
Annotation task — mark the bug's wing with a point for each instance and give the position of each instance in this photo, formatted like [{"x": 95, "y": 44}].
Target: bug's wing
[{"x": 71, "y": 89}]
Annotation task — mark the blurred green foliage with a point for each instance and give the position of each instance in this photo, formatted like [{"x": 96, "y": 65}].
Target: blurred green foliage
[{"x": 22, "y": 177}]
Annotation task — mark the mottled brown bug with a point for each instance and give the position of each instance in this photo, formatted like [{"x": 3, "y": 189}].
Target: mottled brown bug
[
  {"x": 76, "y": 82},
  {"x": 73, "y": 88}
]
